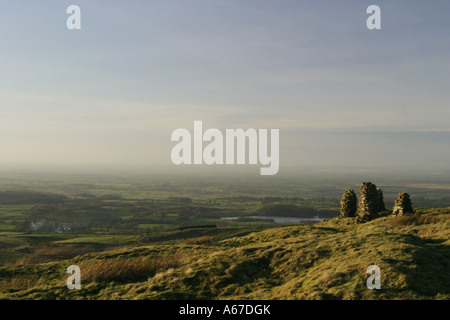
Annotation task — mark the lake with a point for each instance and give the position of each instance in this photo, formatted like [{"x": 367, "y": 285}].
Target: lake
[{"x": 277, "y": 219}]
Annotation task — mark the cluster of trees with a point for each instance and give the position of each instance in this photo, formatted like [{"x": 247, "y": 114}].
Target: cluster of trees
[
  {"x": 30, "y": 197},
  {"x": 292, "y": 210}
]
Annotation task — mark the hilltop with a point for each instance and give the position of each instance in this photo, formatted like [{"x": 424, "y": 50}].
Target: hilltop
[{"x": 326, "y": 260}]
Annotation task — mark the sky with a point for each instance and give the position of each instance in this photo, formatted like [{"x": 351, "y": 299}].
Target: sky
[{"x": 110, "y": 94}]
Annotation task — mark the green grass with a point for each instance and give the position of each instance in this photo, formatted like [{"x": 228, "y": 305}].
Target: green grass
[
  {"x": 155, "y": 225},
  {"x": 116, "y": 240},
  {"x": 327, "y": 260},
  {"x": 44, "y": 238}
]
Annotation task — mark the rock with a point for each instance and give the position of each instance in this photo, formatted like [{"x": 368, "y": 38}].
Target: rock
[
  {"x": 348, "y": 204},
  {"x": 402, "y": 205}
]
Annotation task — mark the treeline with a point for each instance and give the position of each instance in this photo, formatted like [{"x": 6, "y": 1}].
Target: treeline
[
  {"x": 291, "y": 210},
  {"x": 267, "y": 199},
  {"x": 30, "y": 197}
]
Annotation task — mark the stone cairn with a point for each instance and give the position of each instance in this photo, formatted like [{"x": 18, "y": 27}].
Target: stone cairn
[
  {"x": 368, "y": 206},
  {"x": 381, "y": 206},
  {"x": 348, "y": 204},
  {"x": 371, "y": 203},
  {"x": 402, "y": 205}
]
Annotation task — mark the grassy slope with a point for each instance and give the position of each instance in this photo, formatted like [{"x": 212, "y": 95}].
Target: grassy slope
[{"x": 327, "y": 260}]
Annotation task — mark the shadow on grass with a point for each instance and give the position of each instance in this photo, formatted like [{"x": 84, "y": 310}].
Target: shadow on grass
[{"x": 430, "y": 277}]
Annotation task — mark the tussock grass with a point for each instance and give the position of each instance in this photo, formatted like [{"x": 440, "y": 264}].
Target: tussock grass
[
  {"x": 20, "y": 282},
  {"x": 22, "y": 261},
  {"x": 67, "y": 251},
  {"x": 416, "y": 219},
  {"x": 126, "y": 270}
]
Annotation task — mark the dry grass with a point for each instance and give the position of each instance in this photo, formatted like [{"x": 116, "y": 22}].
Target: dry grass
[
  {"x": 22, "y": 261},
  {"x": 20, "y": 282},
  {"x": 199, "y": 240},
  {"x": 416, "y": 219},
  {"x": 66, "y": 251},
  {"x": 126, "y": 270}
]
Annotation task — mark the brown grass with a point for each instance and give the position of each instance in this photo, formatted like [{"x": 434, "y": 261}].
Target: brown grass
[
  {"x": 126, "y": 270},
  {"x": 22, "y": 261},
  {"x": 199, "y": 240},
  {"x": 416, "y": 219},
  {"x": 66, "y": 251},
  {"x": 20, "y": 282}
]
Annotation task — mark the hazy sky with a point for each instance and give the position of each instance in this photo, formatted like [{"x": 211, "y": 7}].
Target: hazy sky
[{"x": 111, "y": 93}]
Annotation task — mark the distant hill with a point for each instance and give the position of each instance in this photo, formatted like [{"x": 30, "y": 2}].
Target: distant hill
[{"x": 327, "y": 260}]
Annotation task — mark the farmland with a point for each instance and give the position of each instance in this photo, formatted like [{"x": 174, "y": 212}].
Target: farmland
[{"x": 51, "y": 220}]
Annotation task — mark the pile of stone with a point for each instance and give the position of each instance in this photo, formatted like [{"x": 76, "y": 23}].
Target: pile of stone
[
  {"x": 371, "y": 203},
  {"x": 348, "y": 204},
  {"x": 368, "y": 206},
  {"x": 402, "y": 205}
]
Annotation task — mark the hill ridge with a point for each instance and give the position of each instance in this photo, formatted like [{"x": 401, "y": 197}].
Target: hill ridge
[{"x": 327, "y": 260}]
